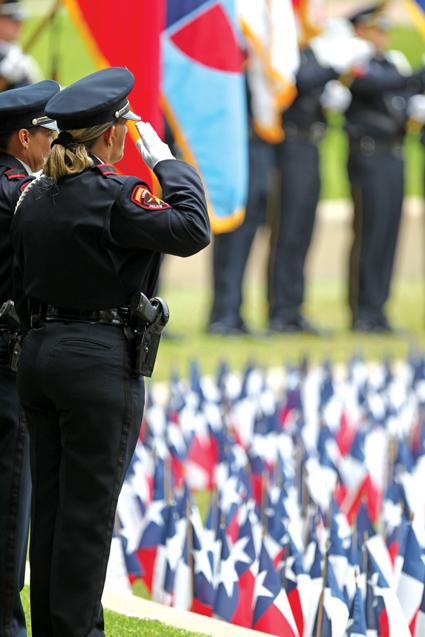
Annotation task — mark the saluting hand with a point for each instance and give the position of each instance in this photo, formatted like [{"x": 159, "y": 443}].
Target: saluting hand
[{"x": 150, "y": 145}]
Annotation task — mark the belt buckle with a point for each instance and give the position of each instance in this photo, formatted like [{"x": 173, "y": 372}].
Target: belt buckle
[{"x": 367, "y": 145}]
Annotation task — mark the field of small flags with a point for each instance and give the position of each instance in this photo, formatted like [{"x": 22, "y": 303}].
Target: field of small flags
[{"x": 316, "y": 520}]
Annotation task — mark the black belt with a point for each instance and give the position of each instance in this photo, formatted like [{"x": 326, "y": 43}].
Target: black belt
[
  {"x": 45, "y": 312},
  {"x": 312, "y": 134},
  {"x": 370, "y": 145},
  {"x": 5, "y": 326}
]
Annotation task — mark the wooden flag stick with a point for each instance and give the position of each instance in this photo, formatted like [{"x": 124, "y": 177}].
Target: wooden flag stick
[
  {"x": 322, "y": 594},
  {"x": 41, "y": 27}
]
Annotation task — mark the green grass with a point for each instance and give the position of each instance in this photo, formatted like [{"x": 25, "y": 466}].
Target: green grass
[
  {"x": 63, "y": 40},
  {"x": 326, "y": 304},
  {"x": 120, "y": 626}
]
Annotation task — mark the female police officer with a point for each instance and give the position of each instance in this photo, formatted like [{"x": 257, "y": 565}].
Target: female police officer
[{"x": 85, "y": 240}]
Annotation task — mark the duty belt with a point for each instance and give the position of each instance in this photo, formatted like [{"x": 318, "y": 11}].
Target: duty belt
[
  {"x": 5, "y": 326},
  {"x": 312, "y": 134},
  {"x": 370, "y": 145},
  {"x": 45, "y": 313}
]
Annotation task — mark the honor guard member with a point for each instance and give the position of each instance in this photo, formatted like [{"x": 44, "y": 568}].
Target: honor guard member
[
  {"x": 323, "y": 60},
  {"x": 16, "y": 68},
  {"x": 23, "y": 150},
  {"x": 376, "y": 125},
  {"x": 86, "y": 240}
]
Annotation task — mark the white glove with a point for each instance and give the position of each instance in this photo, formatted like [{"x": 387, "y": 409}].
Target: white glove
[
  {"x": 16, "y": 67},
  {"x": 335, "y": 97},
  {"x": 150, "y": 145},
  {"x": 341, "y": 53},
  {"x": 416, "y": 108}
]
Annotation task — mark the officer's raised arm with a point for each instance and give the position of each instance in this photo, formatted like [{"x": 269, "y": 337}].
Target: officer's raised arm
[{"x": 176, "y": 224}]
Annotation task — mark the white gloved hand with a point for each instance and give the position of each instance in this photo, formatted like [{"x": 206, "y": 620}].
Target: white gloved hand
[
  {"x": 335, "y": 97},
  {"x": 16, "y": 67},
  {"x": 150, "y": 145},
  {"x": 341, "y": 53},
  {"x": 416, "y": 108}
]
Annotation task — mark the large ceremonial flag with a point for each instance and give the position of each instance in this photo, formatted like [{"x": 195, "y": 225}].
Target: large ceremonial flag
[
  {"x": 126, "y": 36},
  {"x": 204, "y": 100},
  {"x": 273, "y": 58},
  {"x": 416, "y": 9}
]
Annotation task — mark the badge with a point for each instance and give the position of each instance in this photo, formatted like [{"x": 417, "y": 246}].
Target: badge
[{"x": 145, "y": 199}]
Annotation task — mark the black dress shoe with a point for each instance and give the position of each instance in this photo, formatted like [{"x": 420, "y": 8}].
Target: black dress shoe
[
  {"x": 225, "y": 329},
  {"x": 377, "y": 327},
  {"x": 299, "y": 325}
]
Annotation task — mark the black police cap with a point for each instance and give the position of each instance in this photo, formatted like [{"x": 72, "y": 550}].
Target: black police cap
[
  {"x": 96, "y": 99},
  {"x": 12, "y": 9},
  {"x": 372, "y": 15},
  {"x": 24, "y": 107}
]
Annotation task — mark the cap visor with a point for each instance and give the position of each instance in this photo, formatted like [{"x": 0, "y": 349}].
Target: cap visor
[
  {"x": 132, "y": 116},
  {"x": 52, "y": 125}
]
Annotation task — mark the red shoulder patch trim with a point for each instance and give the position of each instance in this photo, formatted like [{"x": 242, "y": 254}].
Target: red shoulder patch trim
[
  {"x": 15, "y": 173},
  {"x": 106, "y": 169},
  {"x": 25, "y": 185},
  {"x": 143, "y": 198}
]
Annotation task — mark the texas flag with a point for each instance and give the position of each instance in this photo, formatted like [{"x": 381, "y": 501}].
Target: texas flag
[
  {"x": 420, "y": 620},
  {"x": 411, "y": 583},
  {"x": 227, "y": 586},
  {"x": 245, "y": 560},
  {"x": 417, "y": 11},
  {"x": 357, "y": 620},
  {"x": 272, "y": 612},
  {"x": 204, "y": 100}
]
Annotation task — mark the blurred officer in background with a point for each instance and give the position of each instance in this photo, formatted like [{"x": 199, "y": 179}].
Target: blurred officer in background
[
  {"x": 23, "y": 150},
  {"x": 304, "y": 122},
  {"x": 296, "y": 162},
  {"x": 16, "y": 68},
  {"x": 86, "y": 240},
  {"x": 231, "y": 249},
  {"x": 376, "y": 125}
]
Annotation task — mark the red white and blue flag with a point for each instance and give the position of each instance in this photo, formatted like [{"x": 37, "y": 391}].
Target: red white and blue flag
[{"x": 204, "y": 100}]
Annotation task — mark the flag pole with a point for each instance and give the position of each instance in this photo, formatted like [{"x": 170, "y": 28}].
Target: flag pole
[
  {"x": 322, "y": 594},
  {"x": 41, "y": 27},
  {"x": 190, "y": 547}
]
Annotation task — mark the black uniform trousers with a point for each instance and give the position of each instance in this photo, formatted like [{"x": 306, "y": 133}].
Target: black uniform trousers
[
  {"x": 15, "y": 494},
  {"x": 231, "y": 250},
  {"x": 84, "y": 408},
  {"x": 377, "y": 186},
  {"x": 292, "y": 228}
]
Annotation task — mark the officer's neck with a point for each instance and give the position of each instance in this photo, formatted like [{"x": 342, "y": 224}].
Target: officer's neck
[{"x": 102, "y": 151}]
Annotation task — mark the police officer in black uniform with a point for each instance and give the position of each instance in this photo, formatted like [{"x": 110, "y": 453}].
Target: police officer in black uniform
[
  {"x": 86, "y": 239},
  {"x": 305, "y": 126},
  {"x": 23, "y": 149},
  {"x": 376, "y": 126},
  {"x": 16, "y": 68},
  {"x": 231, "y": 249}
]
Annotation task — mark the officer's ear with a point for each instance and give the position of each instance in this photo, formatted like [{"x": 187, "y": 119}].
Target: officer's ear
[
  {"x": 24, "y": 137},
  {"x": 108, "y": 135}
]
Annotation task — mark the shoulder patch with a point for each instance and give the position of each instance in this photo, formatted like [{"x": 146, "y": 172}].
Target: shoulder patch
[
  {"x": 106, "y": 169},
  {"x": 15, "y": 173},
  {"x": 143, "y": 198}
]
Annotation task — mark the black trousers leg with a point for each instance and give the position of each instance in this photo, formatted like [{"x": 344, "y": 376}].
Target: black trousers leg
[
  {"x": 231, "y": 250},
  {"x": 84, "y": 408},
  {"x": 15, "y": 488},
  {"x": 293, "y": 229},
  {"x": 377, "y": 183}
]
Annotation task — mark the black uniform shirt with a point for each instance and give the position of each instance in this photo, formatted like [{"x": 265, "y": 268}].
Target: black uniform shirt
[
  {"x": 12, "y": 177},
  {"x": 93, "y": 239},
  {"x": 379, "y": 101},
  {"x": 311, "y": 80}
]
